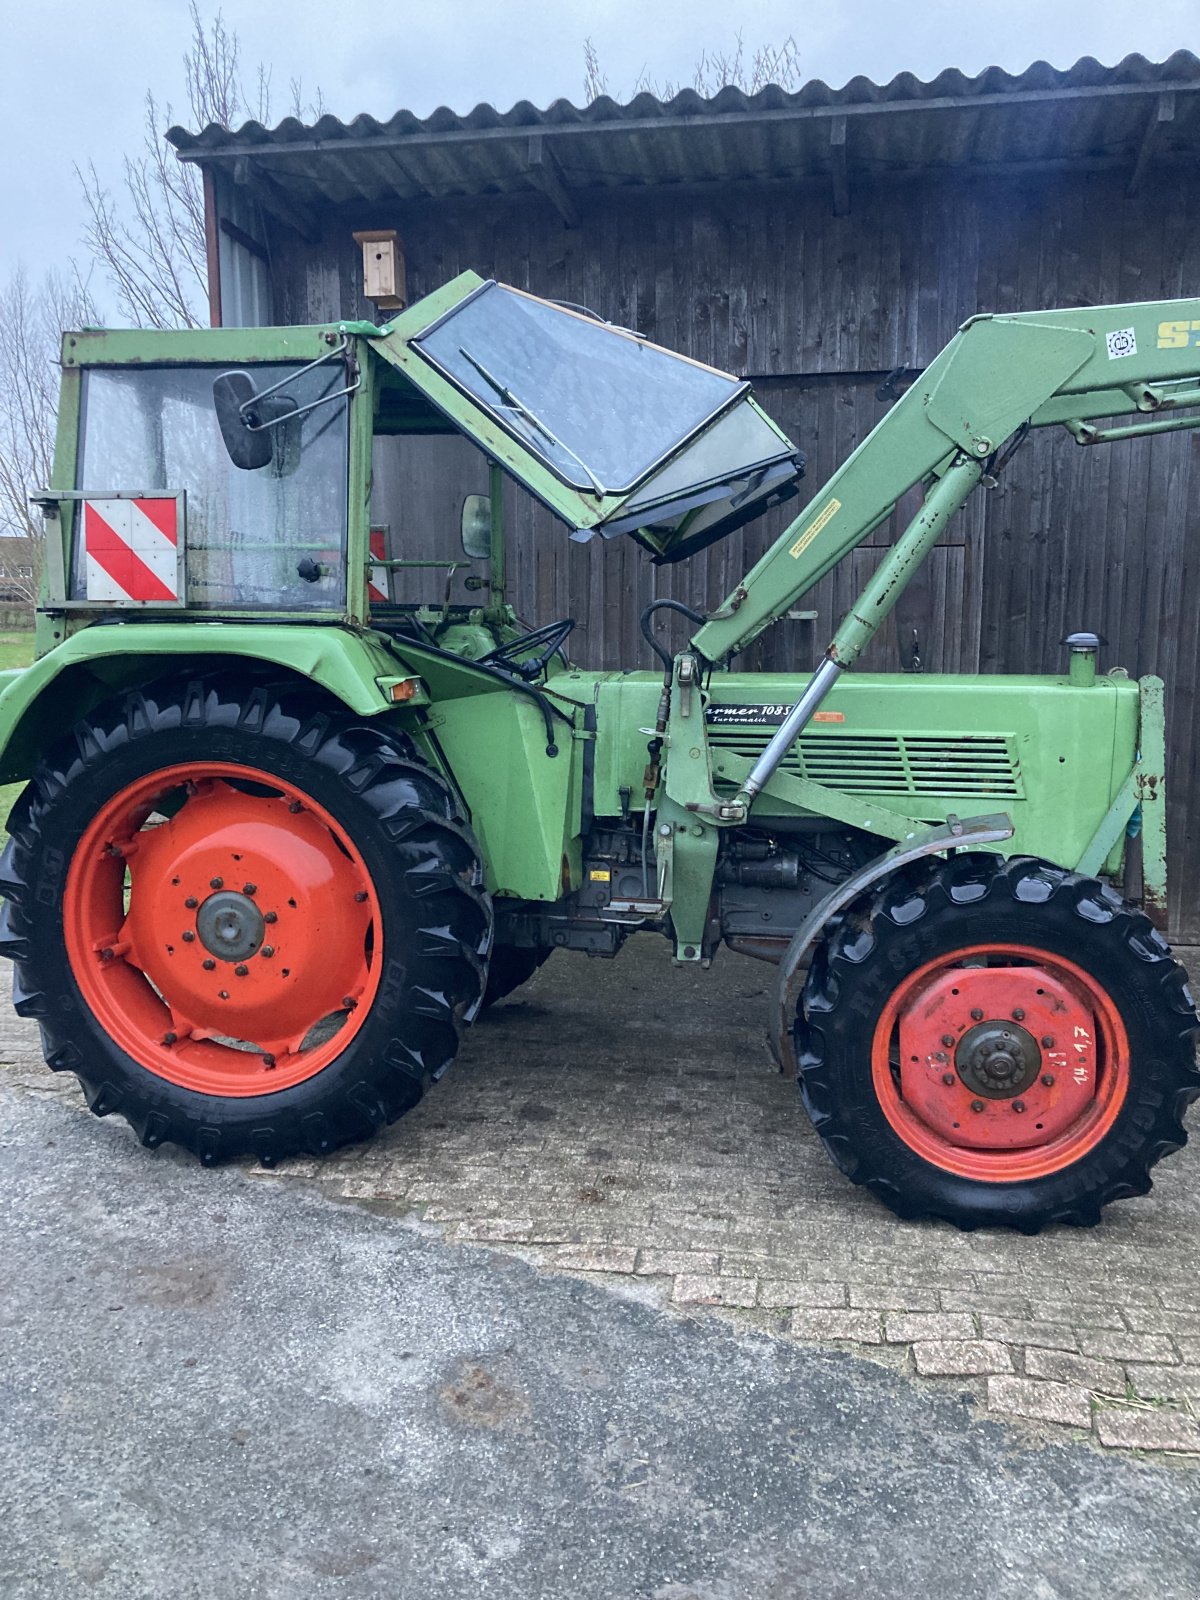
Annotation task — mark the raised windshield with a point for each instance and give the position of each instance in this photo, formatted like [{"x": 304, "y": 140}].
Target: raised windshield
[
  {"x": 636, "y": 439},
  {"x": 599, "y": 405},
  {"x": 274, "y": 537}
]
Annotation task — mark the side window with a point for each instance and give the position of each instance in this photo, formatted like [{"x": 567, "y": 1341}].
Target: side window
[
  {"x": 418, "y": 485},
  {"x": 155, "y": 430}
]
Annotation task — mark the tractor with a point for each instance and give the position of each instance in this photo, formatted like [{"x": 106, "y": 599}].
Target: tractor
[{"x": 283, "y": 834}]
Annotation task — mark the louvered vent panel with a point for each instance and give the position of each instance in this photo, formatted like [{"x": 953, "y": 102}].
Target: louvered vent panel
[{"x": 891, "y": 763}]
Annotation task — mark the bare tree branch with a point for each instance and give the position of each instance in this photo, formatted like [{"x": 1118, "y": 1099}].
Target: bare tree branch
[
  {"x": 149, "y": 239},
  {"x": 714, "y": 71},
  {"x": 32, "y": 320}
]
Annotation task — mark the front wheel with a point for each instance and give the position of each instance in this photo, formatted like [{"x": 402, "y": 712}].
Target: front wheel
[
  {"x": 997, "y": 1042},
  {"x": 249, "y": 923}
]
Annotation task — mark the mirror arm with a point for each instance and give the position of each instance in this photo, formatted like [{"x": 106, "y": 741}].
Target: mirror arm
[{"x": 298, "y": 411}]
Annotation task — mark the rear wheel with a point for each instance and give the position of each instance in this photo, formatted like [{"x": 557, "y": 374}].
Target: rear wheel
[
  {"x": 996, "y": 1041},
  {"x": 247, "y": 923}
]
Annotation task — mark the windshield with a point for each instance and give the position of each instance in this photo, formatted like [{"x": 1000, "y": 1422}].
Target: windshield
[
  {"x": 598, "y": 405},
  {"x": 248, "y": 532}
]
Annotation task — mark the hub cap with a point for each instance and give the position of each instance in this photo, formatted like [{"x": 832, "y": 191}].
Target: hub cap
[
  {"x": 222, "y": 929},
  {"x": 1001, "y": 1062},
  {"x": 230, "y": 926}
]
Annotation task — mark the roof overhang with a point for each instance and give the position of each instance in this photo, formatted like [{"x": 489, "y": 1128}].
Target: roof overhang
[{"x": 1085, "y": 117}]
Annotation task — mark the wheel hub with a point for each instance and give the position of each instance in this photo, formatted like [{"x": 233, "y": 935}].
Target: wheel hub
[
  {"x": 230, "y": 926},
  {"x": 223, "y": 929},
  {"x": 998, "y": 1059}
]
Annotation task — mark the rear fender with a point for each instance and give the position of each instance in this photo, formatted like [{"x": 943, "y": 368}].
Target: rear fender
[{"x": 39, "y": 703}]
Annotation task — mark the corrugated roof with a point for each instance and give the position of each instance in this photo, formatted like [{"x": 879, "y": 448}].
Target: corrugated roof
[{"x": 1088, "y": 114}]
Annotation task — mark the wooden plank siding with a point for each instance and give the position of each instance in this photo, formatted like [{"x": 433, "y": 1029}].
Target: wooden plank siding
[{"x": 762, "y": 279}]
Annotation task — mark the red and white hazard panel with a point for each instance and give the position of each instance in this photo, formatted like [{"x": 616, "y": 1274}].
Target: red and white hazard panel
[
  {"x": 377, "y": 578},
  {"x": 131, "y": 550}
]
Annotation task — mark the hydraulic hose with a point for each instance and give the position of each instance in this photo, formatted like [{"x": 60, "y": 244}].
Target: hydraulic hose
[{"x": 648, "y": 634}]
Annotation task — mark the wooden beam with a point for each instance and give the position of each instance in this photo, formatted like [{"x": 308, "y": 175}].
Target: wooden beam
[
  {"x": 547, "y": 175},
  {"x": 272, "y": 198},
  {"x": 212, "y": 251},
  {"x": 246, "y": 240},
  {"x": 839, "y": 168},
  {"x": 1162, "y": 112}
]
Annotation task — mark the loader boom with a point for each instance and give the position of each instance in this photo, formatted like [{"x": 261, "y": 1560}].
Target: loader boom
[{"x": 998, "y": 373}]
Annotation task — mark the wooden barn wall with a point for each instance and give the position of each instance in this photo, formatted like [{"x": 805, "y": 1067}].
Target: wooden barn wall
[{"x": 765, "y": 281}]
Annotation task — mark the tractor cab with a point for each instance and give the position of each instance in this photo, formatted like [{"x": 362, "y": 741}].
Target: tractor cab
[{"x": 233, "y": 472}]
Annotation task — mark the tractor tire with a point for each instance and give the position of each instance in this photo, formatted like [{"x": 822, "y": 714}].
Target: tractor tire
[
  {"x": 247, "y": 921},
  {"x": 511, "y": 966},
  {"x": 997, "y": 1042}
]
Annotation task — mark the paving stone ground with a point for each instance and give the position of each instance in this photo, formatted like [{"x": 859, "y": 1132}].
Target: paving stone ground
[{"x": 624, "y": 1119}]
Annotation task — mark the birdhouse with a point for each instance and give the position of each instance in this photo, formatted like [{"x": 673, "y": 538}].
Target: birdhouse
[{"x": 383, "y": 268}]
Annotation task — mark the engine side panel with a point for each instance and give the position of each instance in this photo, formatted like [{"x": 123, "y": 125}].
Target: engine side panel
[{"x": 1050, "y": 753}]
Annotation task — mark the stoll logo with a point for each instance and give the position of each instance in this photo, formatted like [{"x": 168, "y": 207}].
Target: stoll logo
[{"x": 1178, "y": 335}]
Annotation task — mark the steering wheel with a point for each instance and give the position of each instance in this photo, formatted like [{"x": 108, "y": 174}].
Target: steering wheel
[{"x": 550, "y": 636}]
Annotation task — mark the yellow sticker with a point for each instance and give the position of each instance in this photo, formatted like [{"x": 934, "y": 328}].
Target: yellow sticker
[
  {"x": 599, "y": 875},
  {"x": 814, "y": 528},
  {"x": 1178, "y": 335}
]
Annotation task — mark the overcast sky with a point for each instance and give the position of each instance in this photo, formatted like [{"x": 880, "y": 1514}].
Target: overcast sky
[{"x": 76, "y": 73}]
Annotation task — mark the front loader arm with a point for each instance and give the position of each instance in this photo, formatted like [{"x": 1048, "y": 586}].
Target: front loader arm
[{"x": 1046, "y": 367}]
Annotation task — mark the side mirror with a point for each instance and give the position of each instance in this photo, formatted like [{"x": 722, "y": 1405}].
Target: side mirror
[
  {"x": 477, "y": 527},
  {"x": 246, "y": 449},
  {"x": 246, "y": 426}
]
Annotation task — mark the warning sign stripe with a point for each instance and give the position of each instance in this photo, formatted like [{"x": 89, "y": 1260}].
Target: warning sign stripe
[
  {"x": 131, "y": 549},
  {"x": 377, "y": 579}
]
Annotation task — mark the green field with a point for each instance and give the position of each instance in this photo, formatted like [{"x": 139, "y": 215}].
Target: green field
[{"x": 16, "y": 650}]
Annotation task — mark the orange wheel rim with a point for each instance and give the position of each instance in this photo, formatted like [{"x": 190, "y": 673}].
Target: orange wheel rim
[
  {"x": 222, "y": 929},
  {"x": 1001, "y": 1063}
]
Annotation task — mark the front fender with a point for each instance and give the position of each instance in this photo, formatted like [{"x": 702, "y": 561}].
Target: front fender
[{"x": 38, "y": 703}]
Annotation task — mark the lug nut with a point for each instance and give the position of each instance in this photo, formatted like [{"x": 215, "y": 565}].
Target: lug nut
[
  {"x": 1048, "y": 1079},
  {"x": 361, "y": 896},
  {"x": 188, "y": 936},
  {"x": 268, "y": 950},
  {"x": 270, "y": 916},
  {"x": 106, "y": 954},
  {"x": 294, "y": 806},
  {"x": 976, "y": 1105},
  {"x": 1018, "y": 1015},
  {"x": 1047, "y": 1041},
  {"x": 216, "y": 883},
  {"x": 948, "y": 1079},
  {"x": 268, "y": 1060},
  {"x": 1018, "y": 1105},
  {"x": 169, "y": 1038},
  {"x": 241, "y": 971},
  {"x": 222, "y": 994},
  {"x": 249, "y": 888},
  {"x": 976, "y": 1014},
  {"x": 348, "y": 1002},
  {"x": 191, "y": 902},
  {"x": 947, "y": 1039},
  {"x": 209, "y": 964}
]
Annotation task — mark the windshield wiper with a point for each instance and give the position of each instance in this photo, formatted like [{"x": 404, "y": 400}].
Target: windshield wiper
[{"x": 522, "y": 410}]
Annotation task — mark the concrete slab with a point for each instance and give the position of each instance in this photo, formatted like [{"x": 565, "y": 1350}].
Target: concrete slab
[
  {"x": 624, "y": 1119},
  {"x": 217, "y": 1387}
]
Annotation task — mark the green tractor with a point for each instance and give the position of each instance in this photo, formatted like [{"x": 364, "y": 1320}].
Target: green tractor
[{"x": 283, "y": 836}]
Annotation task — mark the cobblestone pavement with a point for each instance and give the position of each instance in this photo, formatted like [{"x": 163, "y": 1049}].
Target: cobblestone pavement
[{"x": 624, "y": 1120}]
